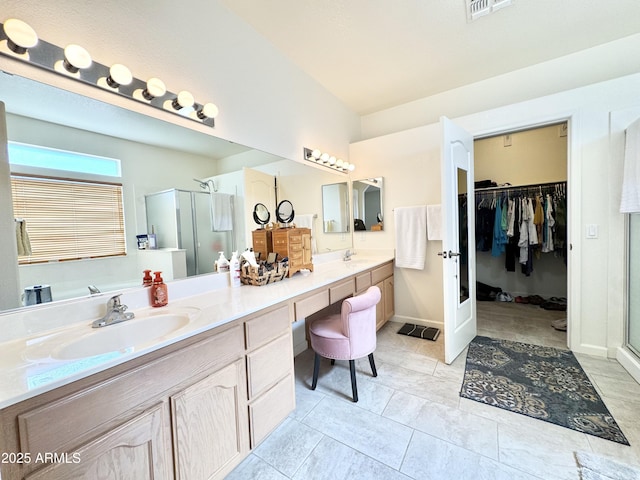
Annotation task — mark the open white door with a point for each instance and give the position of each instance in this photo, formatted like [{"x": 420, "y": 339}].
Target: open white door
[{"x": 458, "y": 239}]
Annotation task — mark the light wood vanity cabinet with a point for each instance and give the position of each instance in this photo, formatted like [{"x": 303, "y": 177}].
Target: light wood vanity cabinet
[
  {"x": 178, "y": 413},
  {"x": 209, "y": 425},
  {"x": 382, "y": 277},
  {"x": 294, "y": 243},
  {"x": 136, "y": 450},
  {"x": 270, "y": 378}
]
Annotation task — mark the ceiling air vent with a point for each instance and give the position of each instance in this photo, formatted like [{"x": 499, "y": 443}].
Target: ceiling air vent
[{"x": 479, "y": 8}]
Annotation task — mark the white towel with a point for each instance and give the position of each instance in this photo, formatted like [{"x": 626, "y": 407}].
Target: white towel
[
  {"x": 22, "y": 239},
  {"x": 434, "y": 222},
  {"x": 630, "y": 202},
  {"x": 411, "y": 236},
  {"x": 221, "y": 212},
  {"x": 306, "y": 220}
]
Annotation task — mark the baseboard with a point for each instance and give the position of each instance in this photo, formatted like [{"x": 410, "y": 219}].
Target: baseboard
[
  {"x": 629, "y": 362},
  {"x": 298, "y": 348},
  {"x": 417, "y": 321},
  {"x": 591, "y": 350}
]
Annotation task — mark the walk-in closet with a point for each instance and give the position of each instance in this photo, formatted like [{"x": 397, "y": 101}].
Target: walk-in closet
[{"x": 521, "y": 234}]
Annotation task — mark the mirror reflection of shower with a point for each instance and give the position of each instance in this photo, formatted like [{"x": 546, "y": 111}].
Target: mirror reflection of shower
[{"x": 208, "y": 185}]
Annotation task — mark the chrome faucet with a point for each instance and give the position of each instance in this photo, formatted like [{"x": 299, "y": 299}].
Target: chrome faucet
[
  {"x": 116, "y": 313},
  {"x": 347, "y": 255}
]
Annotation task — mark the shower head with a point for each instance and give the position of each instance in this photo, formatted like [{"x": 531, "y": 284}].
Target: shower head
[
  {"x": 203, "y": 185},
  {"x": 207, "y": 185}
]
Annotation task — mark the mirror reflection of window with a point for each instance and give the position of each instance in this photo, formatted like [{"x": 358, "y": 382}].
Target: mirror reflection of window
[
  {"x": 335, "y": 207},
  {"x": 367, "y": 204}
]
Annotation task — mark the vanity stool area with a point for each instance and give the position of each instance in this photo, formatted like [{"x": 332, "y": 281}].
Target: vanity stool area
[{"x": 186, "y": 410}]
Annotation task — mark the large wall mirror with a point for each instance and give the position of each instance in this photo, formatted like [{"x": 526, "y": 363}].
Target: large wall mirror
[
  {"x": 335, "y": 207},
  {"x": 367, "y": 204},
  {"x": 156, "y": 156}
]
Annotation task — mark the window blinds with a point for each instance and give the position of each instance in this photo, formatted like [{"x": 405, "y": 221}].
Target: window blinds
[{"x": 69, "y": 219}]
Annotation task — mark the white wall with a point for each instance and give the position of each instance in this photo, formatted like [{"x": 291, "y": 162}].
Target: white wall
[
  {"x": 265, "y": 101},
  {"x": 608, "y": 61},
  {"x": 409, "y": 161},
  {"x": 596, "y": 265}
]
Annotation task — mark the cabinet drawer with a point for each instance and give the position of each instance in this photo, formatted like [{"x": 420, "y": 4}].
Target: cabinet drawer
[
  {"x": 295, "y": 238},
  {"x": 363, "y": 282},
  {"x": 47, "y": 429},
  {"x": 266, "y": 365},
  {"x": 265, "y": 327},
  {"x": 342, "y": 290},
  {"x": 270, "y": 409},
  {"x": 295, "y": 248},
  {"x": 309, "y": 305},
  {"x": 280, "y": 240},
  {"x": 380, "y": 273}
]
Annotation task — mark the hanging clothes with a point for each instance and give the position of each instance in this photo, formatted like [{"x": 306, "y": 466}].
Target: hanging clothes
[{"x": 499, "y": 235}]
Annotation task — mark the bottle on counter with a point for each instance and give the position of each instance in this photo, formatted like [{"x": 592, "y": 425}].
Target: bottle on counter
[
  {"x": 221, "y": 264},
  {"x": 159, "y": 293},
  {"x": 147, "y": 280},
  {"x": 235, "y": 270}
]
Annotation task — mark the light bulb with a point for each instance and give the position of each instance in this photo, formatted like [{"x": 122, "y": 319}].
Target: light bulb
[
  {"x": 351, "y": 167},
  {"x": 209, "y": 110},
  {"x": 339, "y": 163},
  {"x": 155, "y": 88},
  {"x": 316, "y": 154},
  {"x": 345, "y": 165},
  {"x": 119, "y": 75},
  {"x": 183, "y": 100},
  {"x": 332, "y": 160},
  {"x": 75, "y": 58},
  {"x": 324, "y": 157},
  {"x": 20, "y": 36}
]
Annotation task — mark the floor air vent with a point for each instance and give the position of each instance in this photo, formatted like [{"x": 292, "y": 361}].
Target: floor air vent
[{"x": 479, "y": 8}]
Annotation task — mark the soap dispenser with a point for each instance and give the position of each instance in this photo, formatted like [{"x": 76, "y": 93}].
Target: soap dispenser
[
  {"x": 159, "y": 294},
  {"x": 235, "y": 270},
  {"x": 147, "y": 280},
  {"x": 222, "y": 264}
]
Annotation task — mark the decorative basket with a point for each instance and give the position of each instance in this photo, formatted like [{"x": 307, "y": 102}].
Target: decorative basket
[{"x": 260, "y": 275}]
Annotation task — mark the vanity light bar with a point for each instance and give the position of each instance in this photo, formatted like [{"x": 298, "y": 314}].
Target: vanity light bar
[
  {"x": 327, "y": 160},
  {"x": 19, "y": 40}
]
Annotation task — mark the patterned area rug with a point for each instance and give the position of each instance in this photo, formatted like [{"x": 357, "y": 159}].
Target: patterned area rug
[{"x": 541, "y": 382}]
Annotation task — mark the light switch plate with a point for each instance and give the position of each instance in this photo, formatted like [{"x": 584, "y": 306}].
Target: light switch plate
[{"x": 592, "y": 230}]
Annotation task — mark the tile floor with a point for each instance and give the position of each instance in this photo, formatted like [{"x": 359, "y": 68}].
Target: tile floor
[{"x": 411, "y": 423}]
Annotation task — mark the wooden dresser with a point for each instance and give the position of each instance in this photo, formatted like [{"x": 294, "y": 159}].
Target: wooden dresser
[
  {"x": 262, "y": 242},
  {"x": 294, "y": 243}
]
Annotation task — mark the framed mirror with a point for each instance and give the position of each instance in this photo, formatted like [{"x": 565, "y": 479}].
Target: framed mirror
[
  {"x": 285, "y": 212},
  {"x": 261, "y": 214},
  {"x": 335, "y": 207},
  {"x": 367, "y": 204},
  {"x": 155, "y": 156}
]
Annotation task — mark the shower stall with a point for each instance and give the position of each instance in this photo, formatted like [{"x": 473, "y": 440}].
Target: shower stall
[{"x": 182, "y": 219}]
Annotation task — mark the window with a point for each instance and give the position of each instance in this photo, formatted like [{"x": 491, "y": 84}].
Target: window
[{"x": 67, "y": 218}]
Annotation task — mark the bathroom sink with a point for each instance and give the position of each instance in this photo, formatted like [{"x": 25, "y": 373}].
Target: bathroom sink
[
  {"x": 121, "y": 336},
  {"x": 148, "y": 326}
]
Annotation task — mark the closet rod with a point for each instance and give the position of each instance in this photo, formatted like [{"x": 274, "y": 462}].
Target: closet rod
[{"x": 520, "y": 187}]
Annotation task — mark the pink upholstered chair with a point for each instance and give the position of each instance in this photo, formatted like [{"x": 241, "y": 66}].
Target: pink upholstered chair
[{"x": 348, "y": 335}]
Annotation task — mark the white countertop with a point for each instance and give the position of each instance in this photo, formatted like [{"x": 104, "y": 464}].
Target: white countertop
[{"x": 27, "y": 369}]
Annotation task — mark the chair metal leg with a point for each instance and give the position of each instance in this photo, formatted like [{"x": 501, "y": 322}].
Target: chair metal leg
[
  {"x": 373, "y": 365},
  {"x": 354, "y": 388},
  {"x": 316, "y": 369}
]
